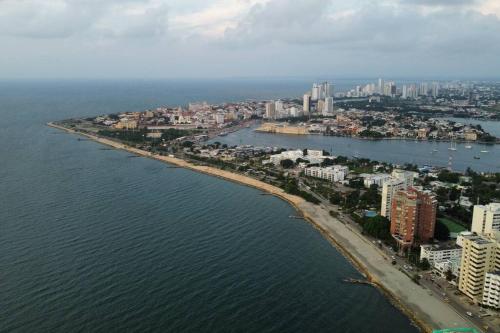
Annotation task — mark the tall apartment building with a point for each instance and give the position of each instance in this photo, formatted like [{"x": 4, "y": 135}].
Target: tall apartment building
[
  {"x": 389, "y": 190},
  {"x": 413, "y": 217},
  {"x": 400, "y": 180},
  {"x": 306, "y": 107},
  {"x": 491, "y": 290},
  {"x": 270, "y": 110},
  {"x": 478, "y": 258},
  {"x": 486, "y": 219}
]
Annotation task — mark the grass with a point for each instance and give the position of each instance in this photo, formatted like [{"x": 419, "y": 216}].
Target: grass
[{"x": 452, "y": 225}]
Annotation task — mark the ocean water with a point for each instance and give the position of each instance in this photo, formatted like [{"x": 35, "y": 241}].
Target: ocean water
[{"x": 95, "y": 240}]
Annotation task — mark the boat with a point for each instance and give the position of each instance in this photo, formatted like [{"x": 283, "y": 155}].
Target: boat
[
  {"x": 484, "y": 151},
  {"x": 222, "y": 133},
  {"x": 468, "y": 147},
  {"x": 453, "y": 146},
  {"x": 477, "y": 157}
]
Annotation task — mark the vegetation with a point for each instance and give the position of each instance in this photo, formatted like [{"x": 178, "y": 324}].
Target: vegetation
[
  {"x": 377, "y": 226},
  {"x": 441, "y": 231},
  {"x": 292, "y": 187}
]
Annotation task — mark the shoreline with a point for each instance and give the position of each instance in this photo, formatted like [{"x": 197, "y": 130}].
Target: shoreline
[{"x": 408, "y": 297}]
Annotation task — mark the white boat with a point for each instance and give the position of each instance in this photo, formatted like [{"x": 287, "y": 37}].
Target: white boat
[
  {"x": 453, "y": 146},
  {"x": 484, "y": 151},
  {"x": 468, "y": 147}
]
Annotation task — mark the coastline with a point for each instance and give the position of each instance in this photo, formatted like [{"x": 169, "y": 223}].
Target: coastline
[{"x": 409, "y": 297}]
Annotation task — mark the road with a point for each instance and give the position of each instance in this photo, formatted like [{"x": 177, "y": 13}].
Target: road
[{"x": 456, "y": 303}]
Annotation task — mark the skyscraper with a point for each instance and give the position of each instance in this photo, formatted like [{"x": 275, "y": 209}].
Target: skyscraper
[
  {"x": 316, "y": 92},
  {"x": 271, "y": 110},
  {"x": 306, "y": 106},
  {"x": 328, "y": 107},
  {"x": 380, "y": 86}
]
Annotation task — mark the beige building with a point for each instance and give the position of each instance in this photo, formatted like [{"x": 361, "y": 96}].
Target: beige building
[
  {"x": 486, "y": 219},
  {"x": 479, "y": 256}
]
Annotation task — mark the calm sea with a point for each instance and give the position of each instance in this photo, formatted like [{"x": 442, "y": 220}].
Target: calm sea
[{"x": 94, "y": 240}]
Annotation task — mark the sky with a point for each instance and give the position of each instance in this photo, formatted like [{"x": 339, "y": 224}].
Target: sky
[{"x": 249, "y": 38}]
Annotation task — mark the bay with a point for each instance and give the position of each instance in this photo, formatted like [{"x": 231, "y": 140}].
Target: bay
[{"x": 92, "y": 240}]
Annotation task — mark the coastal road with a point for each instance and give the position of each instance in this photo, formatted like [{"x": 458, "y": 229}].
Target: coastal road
[{"x": 374, "y": 262}]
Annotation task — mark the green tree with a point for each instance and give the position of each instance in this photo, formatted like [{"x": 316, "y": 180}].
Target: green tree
[
  {"x": 287, "y": 164},
  {"x": 441, "y": 231},
  {"x": 424, "y": 264}
]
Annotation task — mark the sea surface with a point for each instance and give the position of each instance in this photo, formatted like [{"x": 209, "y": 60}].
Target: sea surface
[{"x": 97, "y": 240}]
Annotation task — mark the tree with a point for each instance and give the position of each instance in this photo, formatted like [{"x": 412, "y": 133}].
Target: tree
[
  {"x": 287, "y": 164},
  {"x": 449, "y": 275},
  {"x": 424, "y": 264},
  {"x": 377, "y": 226},
  {"x": 441, "y": 231}
]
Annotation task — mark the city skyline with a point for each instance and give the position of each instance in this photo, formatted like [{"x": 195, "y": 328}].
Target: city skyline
[{"x": 248, "y": 38}]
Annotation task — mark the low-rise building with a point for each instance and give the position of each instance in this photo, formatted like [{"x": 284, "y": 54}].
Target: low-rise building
[
  {"x": 375, "y": 179},
  {"x": 336, "y": 173},
  {"x": 286, "y": 155},
  {"x": 438, "y": 253}
]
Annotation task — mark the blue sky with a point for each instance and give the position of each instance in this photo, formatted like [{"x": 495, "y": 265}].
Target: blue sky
[{"x": 241, "y": 38}]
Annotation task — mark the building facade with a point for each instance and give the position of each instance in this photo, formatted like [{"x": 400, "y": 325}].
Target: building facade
[
  {"x": 413, "y": 217},
  {"x": 478, "y": 258},
  {"x": 486, "y": 219},
  {"x": 491, "y": 290}
]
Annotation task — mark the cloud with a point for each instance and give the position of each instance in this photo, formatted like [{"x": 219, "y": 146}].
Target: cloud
[
  {"x": 441, "y": 2},
  {"x": 370, "y": 29},
  {"x": 66, "y": 18}
]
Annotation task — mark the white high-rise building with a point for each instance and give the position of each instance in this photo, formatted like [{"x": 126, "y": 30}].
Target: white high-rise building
[
  {"x": 406, "y": 176},
  {"x": 491, "y": 290},
  {"x": 435, "y": 89},
  {"x": 486, "y": 219},
  {"x": 380, "y": 86},
  {"x": 316, "y": 92},
  {"x": 307, "y": 104},
  {"x": 389, "y": 190},
  {"x": 278, "y": 106},
  {"x": 270, "y": 110},
  {"x": 478, "y": 258},
  {"x": 329, "y": 89},
  {"x": 404, "y": 93},
  {"x": 328, "y": 107}
]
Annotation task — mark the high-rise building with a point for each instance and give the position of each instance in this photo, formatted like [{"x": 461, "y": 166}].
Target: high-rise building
[
  {"x": 491, "y": 290},
  {"x": 406, "y": 176},
  {"x": 329, "y": 89},
  {"x": 380, "y": 86},
  {"x": 413, "y": 217},
  {"x": 435, "y": 89},
  {"x": 486, "y": 219},
  {"x": 306, "y": 104},
  {"x": 328, "y": 107},
  {"x": 271, "y": 110},
  {"x": 423, "y": 89},
  {"x": 316, "y": 92},
  {"x": 278, "y": 105},
  {"x": 478, "y": 258},
  {"x": 389, "y": 189},
  {"x": 404, "y": 93}
]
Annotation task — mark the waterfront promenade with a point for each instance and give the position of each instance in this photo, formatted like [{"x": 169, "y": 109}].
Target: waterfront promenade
[{"x": 428, "y": 312}]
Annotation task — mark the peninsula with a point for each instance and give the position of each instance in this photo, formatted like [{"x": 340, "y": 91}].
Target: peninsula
[{"x": 428, "y": 312}]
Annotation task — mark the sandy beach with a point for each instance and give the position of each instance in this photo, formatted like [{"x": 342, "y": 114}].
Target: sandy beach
[{"x": 426, "y": 311}]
